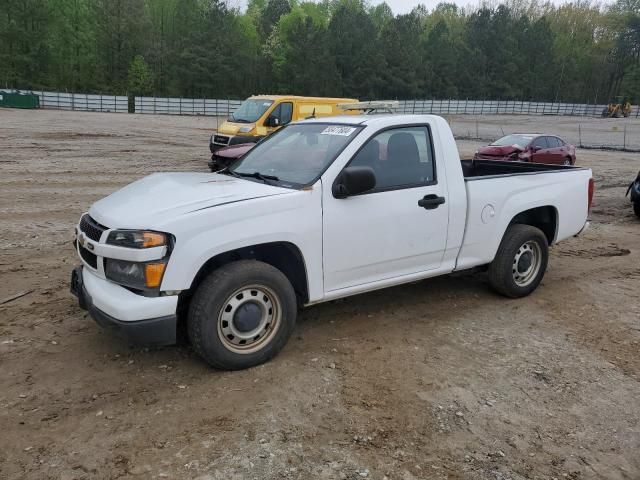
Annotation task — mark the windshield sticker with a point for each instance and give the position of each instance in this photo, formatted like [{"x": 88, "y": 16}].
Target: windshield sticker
[
  {"x": 337, "y": 130},
  {"x": 266, "y": 104}
]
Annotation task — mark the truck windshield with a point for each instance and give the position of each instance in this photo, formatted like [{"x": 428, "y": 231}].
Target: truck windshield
[
  {"x": 297, "y": 154},
  {"x": 251, "y": 110}
]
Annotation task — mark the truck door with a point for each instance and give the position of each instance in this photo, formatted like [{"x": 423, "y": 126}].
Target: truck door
[
  {"x": 280, "y": 116},
  {"x": 385, "y": 233}
]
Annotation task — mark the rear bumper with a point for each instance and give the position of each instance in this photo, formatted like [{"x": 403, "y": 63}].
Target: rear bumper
[{"x": 155, "y": 330}]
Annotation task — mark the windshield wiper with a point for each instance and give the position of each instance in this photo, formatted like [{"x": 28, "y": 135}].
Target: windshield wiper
[
  {"x": 226, "y": 171},
  {"x": 240, "y": 120},
  {"x": 257, "y": 175}
]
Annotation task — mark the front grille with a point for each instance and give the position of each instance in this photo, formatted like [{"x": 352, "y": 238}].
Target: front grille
[
  {"x": 91, "y": 228},
  {"x": 221, "y": 139},
  {"x": 88, "y": 257}
]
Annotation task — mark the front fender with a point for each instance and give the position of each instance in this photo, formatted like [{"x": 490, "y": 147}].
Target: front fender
[{"x": 202, "y": 235}]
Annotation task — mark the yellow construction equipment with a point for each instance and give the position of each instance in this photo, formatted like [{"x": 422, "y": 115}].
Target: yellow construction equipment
[{"x": 618, "y": 109}]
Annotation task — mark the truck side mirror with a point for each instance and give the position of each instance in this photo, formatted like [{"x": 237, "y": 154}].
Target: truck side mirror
[
  {"x": 353, "y": 181},
  {"x": 272, "y": 121}
]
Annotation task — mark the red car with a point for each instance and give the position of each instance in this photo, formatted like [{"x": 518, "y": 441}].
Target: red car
[
  {"x": 225, "y": 156},
  {"x": 529, "y": 147}
]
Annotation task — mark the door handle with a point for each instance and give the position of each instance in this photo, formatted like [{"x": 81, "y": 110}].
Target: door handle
[{"x": 430, "y": 202}]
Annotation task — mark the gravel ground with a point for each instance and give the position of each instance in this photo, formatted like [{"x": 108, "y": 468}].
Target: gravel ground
[{"x": 437, "y": 379}]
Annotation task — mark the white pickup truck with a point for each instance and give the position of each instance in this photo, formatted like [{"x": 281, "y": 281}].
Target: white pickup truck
[{"x": 323, "y": 209}]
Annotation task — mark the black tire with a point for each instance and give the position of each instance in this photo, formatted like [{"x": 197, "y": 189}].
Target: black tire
[
  {"x": 206, "y": 324},
  {"x": 567, "y": 161},
  {"x": 506, "y": 266},
  {"x": 636, "y": 209}
]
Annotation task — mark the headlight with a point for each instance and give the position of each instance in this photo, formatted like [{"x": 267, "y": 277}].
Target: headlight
[
  {"x": 136, "y": 239},
  {"x": 246, "y": 129},
  {"x": 135, "y": 275}
]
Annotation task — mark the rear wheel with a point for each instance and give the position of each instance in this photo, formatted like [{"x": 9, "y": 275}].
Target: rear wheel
[
  {"x": 520, "y": 262},
  {"x": 242, "y": 315},
  {"x": 567, "y": 161}
]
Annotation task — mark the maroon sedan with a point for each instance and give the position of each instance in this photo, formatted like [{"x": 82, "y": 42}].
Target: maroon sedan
[
  {"x": 225, "y": 156},
  {"x": 529, "y": 147}
]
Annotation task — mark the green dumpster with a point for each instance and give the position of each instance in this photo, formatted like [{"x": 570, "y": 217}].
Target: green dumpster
[{"x": 19, "y": 100}]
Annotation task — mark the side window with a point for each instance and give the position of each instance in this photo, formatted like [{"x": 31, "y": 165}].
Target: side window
[
  {"x": 275, "y": 113},
  {"x": 540, "y": 142},
  {"x": 286, "y": 113},
  {"x": 554, "y": 142},
  {"x": 400, "y": 158}
]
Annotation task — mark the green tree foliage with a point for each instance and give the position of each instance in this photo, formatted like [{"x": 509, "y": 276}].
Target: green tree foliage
[
  {"x": 140, "y": 78},
  {"x": 522, "y": 49}
]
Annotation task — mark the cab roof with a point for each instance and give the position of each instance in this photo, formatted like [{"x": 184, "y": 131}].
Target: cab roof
[
  {"x": 370, "y": 119},
  {"x": 308, "y": 99}
]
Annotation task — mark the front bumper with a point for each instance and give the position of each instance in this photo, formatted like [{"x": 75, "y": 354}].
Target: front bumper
[
  {"x": 141, "y": 320},
  {"x": 233, "y": 140}
]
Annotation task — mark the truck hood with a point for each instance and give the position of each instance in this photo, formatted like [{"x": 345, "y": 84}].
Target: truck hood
[
  {"x": 230, "y": 128},
  {"x": 159, "y": 197}
]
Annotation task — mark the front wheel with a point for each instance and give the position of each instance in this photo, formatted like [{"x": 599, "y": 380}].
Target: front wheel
[
  {"x": 520, "y": 262},
  {"x": 242, "y": 315}
]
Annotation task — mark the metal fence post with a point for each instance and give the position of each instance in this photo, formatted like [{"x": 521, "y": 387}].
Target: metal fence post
[
  {"x": 624, "y": 138},
  {"x": 580, "y": 135}
]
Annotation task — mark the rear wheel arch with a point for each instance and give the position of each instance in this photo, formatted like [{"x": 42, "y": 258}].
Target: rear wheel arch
[{"x": 544, "y": 218}]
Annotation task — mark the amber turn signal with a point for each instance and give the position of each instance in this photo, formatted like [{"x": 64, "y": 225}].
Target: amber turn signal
[
  {"x": 153, "y": 273},
  {"x": 153, "y": 239}
]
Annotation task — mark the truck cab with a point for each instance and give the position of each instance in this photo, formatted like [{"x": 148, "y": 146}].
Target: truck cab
[{"x": 261, "y": 115}]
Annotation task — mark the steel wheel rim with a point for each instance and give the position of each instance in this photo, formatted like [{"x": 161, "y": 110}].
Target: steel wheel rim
[
  {"x": 253, "y": 298},
  {"x": 526, "y": 263}
]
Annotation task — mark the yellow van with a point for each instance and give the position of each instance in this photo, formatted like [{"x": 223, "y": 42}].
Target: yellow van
[{"x": 261, "y": 115}]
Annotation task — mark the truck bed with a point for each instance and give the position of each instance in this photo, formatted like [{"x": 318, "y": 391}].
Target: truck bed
[
  {"x": 479, "y": 169},
  {"x": 497, "y": 191}
]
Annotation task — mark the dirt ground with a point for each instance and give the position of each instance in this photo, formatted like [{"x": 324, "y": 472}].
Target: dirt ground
[{"x": 437, "y": 379}]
